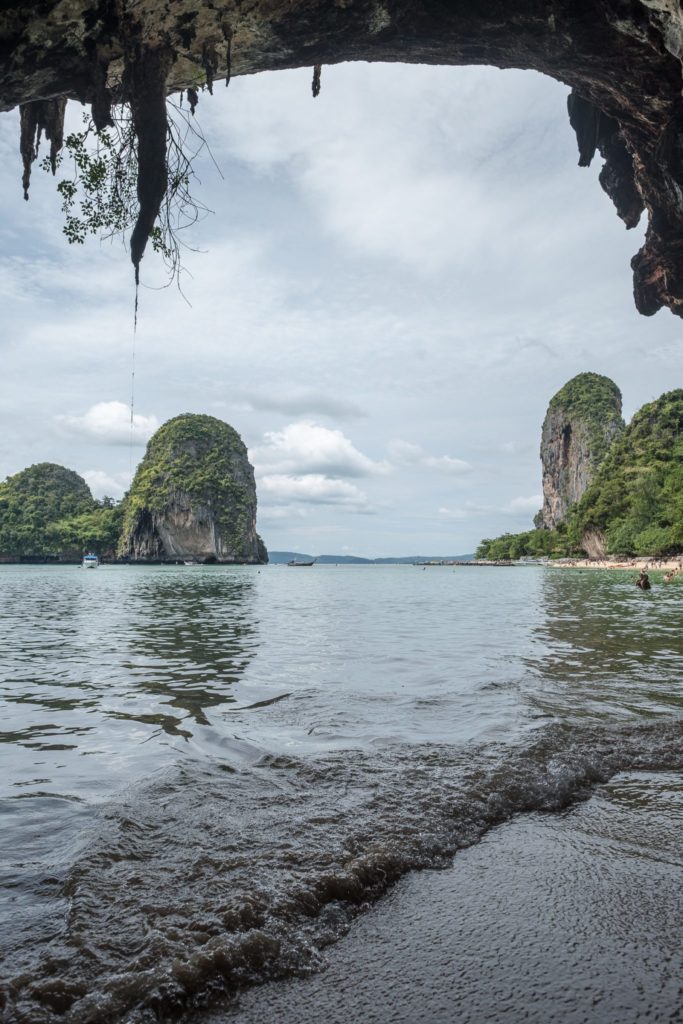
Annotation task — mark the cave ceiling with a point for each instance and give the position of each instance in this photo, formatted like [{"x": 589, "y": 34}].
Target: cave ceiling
[{"x": 621, "y": 59}]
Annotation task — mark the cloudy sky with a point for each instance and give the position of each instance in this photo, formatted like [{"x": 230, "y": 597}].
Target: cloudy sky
[{"x": 395, "y": 279}]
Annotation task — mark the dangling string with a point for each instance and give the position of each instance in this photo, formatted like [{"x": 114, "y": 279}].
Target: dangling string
[{"x": 132, "y": 379}]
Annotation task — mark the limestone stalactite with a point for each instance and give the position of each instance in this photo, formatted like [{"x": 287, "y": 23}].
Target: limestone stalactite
[
  {"x": 36, "y": 118},
  {"x": 622, "y": 59},
  {"x": 147, "y": 72}
]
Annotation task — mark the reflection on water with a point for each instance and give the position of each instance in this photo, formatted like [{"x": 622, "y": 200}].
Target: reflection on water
[
  {"x": 601, "y": 646},
  {"x": 209, "y": 770},
  {"x": 189, "y": 639},
  {"x": 109, "y": 675},
  {"x": 96, "y": 664}
]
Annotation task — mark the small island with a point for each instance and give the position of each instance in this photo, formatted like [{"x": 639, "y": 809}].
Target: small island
[{"x": 193, "y": 497}]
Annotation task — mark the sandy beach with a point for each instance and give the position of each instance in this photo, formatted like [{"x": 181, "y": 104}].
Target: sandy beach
[{"x": 648, "y": 564}]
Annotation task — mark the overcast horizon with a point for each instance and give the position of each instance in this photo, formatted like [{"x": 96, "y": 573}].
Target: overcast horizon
[{"x": 396, "y": 279}]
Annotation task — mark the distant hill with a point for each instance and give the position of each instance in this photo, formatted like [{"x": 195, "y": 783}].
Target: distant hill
[{"x": 281, "y": 557}]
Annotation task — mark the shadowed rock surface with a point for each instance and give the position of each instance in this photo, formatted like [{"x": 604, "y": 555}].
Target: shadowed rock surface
[
  {"x": 582, "y": 420},
  {"x": 193, "y": 497},
  {"x": 622, "y": 59}
]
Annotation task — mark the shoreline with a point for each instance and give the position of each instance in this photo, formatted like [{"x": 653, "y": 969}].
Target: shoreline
[
  {"x": 506, "y": 933},
  {"x": 647, "y": 563}
]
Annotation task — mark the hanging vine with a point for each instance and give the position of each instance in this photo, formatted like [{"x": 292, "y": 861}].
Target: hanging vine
[
  {"x": 132, "y": 163},
  {"x": 102, "y": 194}
]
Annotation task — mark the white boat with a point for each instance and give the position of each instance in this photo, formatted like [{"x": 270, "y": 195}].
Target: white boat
[{"x": 90, "y": 561}]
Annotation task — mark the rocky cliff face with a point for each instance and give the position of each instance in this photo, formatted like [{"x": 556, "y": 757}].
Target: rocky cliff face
[
  {"x": 582, "y": 421},
  {"x": 621, "y": 58},
  {"x": 193, "y": 496}
]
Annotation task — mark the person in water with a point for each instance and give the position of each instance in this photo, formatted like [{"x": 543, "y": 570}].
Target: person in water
[{"x": 643, "y": 581}]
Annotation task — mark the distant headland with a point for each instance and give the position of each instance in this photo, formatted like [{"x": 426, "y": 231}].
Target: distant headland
[{"x": 608, "y": 489}]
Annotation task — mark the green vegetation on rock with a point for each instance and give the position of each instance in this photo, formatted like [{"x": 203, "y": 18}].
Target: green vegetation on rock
[
  {"x": 634, "y": 506},
  {"x": 530, "y": 544},
  {"x": 582, "y": 421},
  {"x": 199, "y": 464},
  {"x": 636, "y": 500},
  {"x": 96, "y": 531},
  {"x": 49, "y": 510},
  {"x": 193, "y": 496},
  {"x": 595, "y": 400}
]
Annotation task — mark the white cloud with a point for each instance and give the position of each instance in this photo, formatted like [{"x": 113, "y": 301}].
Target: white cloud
[
  {"x": 385, "y": 159},
  {"x": 522, "y": 505},
  {"x": 517, "y": 507},
  {"x": 109, "y": 423},
  {"x": 453, "y": 513},
  {"x": 308, "y": 448},
  {"x": 404, "y": 451},
  {"x": 408, "y": 454},
  {"x": 313, "y": 489},
  {"x": 446, "y": 464},
  {"x": 114, "y": 485},
  {"x": 281, "y": 513},
  {"x": 300, "y": 403}
]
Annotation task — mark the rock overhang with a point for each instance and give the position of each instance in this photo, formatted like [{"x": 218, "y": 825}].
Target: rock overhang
[{"x": 621, "y": 58}]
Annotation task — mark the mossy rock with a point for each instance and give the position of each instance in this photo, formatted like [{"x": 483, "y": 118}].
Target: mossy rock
[
  {"x": 193, "y": 496},
  {"x": 594, "y": 401}
]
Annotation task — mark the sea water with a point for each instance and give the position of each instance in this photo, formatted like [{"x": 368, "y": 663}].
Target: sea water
[{"x": 209, "y": 773}]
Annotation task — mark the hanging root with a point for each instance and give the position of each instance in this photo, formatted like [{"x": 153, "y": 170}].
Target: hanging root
[
  {"x": 101, "y": 103},
  {"x": 192, "y": 99},
  {"x": 228, "y": 57},
  {"x": 210, "y": 64},
  {"x": 147, "y": 73},
  {"x": 315, "y": 85},
  {"x": 35, "y": 118}
]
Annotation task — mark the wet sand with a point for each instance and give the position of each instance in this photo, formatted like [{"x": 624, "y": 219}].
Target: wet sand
[{"x": 566, "y": 918}]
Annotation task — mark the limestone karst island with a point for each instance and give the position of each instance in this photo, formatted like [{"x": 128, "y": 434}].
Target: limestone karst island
[
  {"x": 608, "y": 489},
  {"x": 193, "y": 497}
]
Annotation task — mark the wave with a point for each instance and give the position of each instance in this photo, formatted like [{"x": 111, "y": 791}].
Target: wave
[{"x": 208, "y": 879}]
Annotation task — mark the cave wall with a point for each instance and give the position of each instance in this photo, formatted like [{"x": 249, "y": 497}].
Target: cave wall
[{"x": 622, "y": 59}]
